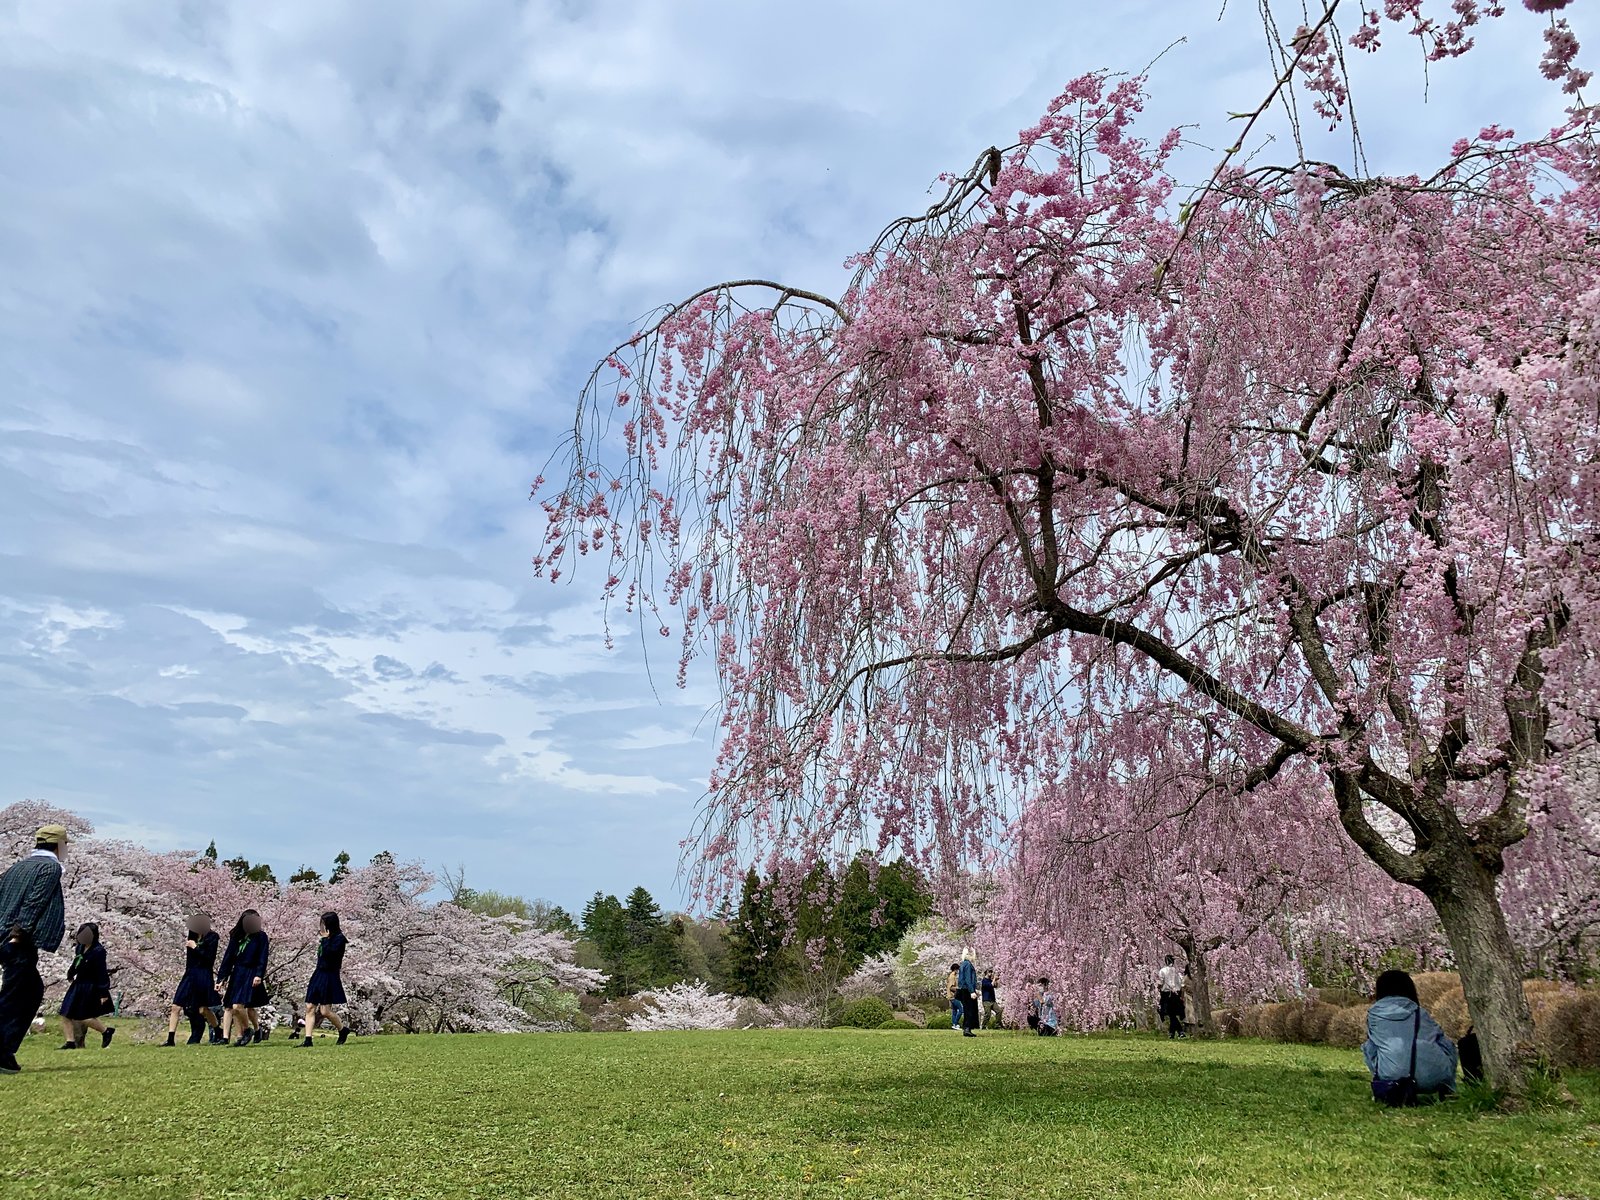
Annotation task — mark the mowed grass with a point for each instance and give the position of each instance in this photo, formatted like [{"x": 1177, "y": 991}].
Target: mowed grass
[{"x": 908, "y": 1114}]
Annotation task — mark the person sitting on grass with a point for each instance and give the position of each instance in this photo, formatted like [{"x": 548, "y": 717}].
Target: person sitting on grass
[{"x": 1409, "y": 1056}]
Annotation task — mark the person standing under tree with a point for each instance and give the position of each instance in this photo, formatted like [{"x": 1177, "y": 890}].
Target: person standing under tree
[
  {"x": 991, "y": 1006},
  {"x": 88, "y": 995},
  {"x": 967, "y": 994},
  {"x": 196, "y": 995},
  {"x": 950, "y": 985},
  {"x": 325, "y": 989},
  {"x": 33, "y": 916},
  {"x": 1169, "y": 982},
  {"x": 244, "y": 968},
  {"x": 1049, "y": 1019}
]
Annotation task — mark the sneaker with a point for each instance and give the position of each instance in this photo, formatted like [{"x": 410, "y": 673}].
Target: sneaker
[
  {"x": 344, "y": 1034},
  {"x": 9, "y": 1065},
  {"x": 105, "y": 1038}
]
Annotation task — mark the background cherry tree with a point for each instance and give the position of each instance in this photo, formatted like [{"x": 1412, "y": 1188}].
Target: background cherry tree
[{"x": 415, "y": 964}]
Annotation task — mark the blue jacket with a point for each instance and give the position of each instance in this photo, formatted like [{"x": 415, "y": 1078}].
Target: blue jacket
[
  {"x": 967, "y": 977},
  {"x": 1388, "y": 1046}
]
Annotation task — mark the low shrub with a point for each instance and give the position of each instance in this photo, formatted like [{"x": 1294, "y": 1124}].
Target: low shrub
[
  {"x": 897, "y": 1023},
  {"x": 1339, "y": 997},
  {"x": 869, "y": 1012},
  {"x": 1314, "y": 1024},
  {"x": 938, "y": 1018},
  {"x": 1347, "y": 1028}
]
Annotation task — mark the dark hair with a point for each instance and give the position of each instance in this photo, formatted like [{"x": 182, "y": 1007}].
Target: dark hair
[
  {"x": 238, "y": 926},
  {"x": 331, "y": 921},
  {"x": 1044, "y": 981},
  {"x": 53, "y": 847},
  {"x": 92, "y": 928},
  {"x": 955, "y": 966},
  {"x": 1170, "y": 960},
  {"x": 1395, "y": 983}
]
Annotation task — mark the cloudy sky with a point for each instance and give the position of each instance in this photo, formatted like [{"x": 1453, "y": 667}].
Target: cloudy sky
[{"x": 296, "y": 296}]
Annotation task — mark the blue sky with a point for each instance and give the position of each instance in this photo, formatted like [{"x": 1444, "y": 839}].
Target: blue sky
[{"x": 296, "y": 297}]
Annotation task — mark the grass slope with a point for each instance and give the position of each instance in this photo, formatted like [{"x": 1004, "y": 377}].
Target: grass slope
[{"x": 922, "y": 1115}]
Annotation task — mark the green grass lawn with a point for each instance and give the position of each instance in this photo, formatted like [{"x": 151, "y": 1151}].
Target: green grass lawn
[{"x": 924, "y": 1115}]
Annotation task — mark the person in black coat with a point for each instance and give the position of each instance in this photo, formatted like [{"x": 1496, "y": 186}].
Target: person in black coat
[
  {"x": 243, "y": 975},
  {"x": 196, "y": 994},
  {"x": 88, "y": 995},
  {"x": 326, "y": 989},
  {"x": 32, "y": 918}
]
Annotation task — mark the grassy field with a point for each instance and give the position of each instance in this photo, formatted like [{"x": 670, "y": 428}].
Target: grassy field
[{"x": 923, "y": 1115}]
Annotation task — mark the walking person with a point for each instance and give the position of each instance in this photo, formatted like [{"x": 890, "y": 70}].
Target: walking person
[
  {"x": 991, "y": 1005},
  {"x": 1049, "y": 1021},
  {"x": 88, "y": 995},
  {"x": 1033, "y": 1005},
  {"x": 33, "y": 916},
  {"x": 196, "y": 994},
  {"x": 243, "y": 971},
  {"x": 967, "y": 994},
  {"x": 326, "y": 989},
  {"x": 950, "y": 985},
  {"x": 1169, "y": 982}
]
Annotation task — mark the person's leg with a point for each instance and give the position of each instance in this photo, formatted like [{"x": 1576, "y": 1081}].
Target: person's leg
[
  {"x": 309, "y": 1023},
  {"x": 21, "y": 990},
  {"x": 172, "y": 1023},
  {"x": 955, "y": 1013},
  {"x": 241, "y": 1024},
  {"x": 73, "y": 1034}
]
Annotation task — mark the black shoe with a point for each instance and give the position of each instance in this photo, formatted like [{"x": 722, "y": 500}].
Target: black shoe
[
  {"x": 105, "y": 1038},
  {"x": 305, "y": 1043},
  {"x": 172, "y": 1040},
  {"x": 968, "y": 1033},
  {"x": 9, "y": 1065},
  {"x": 70, "y": 1046},
  {"x": 262, "y": 1035},
  {"x": 194, "y": 1038},
  {"x": 217, "y": 1039},
  {"x": 344, "y": 1034},
  {"x": 246, "y": 1040}
]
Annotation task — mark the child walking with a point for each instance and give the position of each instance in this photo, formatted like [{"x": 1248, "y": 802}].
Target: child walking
[
  {"x": 88, "y": 995},
  {"x": 326, "y": 989},
  {"x": 244, "y": 970},
  {"x": 196, "y": 995}
]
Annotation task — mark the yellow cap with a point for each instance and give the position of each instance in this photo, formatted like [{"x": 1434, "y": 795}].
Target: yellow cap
[{"x": 52, "y": 834}]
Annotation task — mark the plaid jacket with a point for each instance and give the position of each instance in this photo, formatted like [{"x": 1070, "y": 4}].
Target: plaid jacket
[{"x": 30, "y": 896}]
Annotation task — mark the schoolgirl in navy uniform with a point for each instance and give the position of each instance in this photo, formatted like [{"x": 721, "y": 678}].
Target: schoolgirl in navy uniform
[
  {"x": 88, "y": 995},
  {"x": 326, "y": 989},
  {"x": 243, "y": 974},
  {"x": 196, "y": 995}
]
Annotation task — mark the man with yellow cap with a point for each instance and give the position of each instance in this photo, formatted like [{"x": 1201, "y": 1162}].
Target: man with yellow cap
[{"x": 33, "y": 917}]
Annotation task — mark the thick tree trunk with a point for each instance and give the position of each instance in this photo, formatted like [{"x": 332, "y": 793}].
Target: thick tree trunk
[{"x": 1464, "y": 896}]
